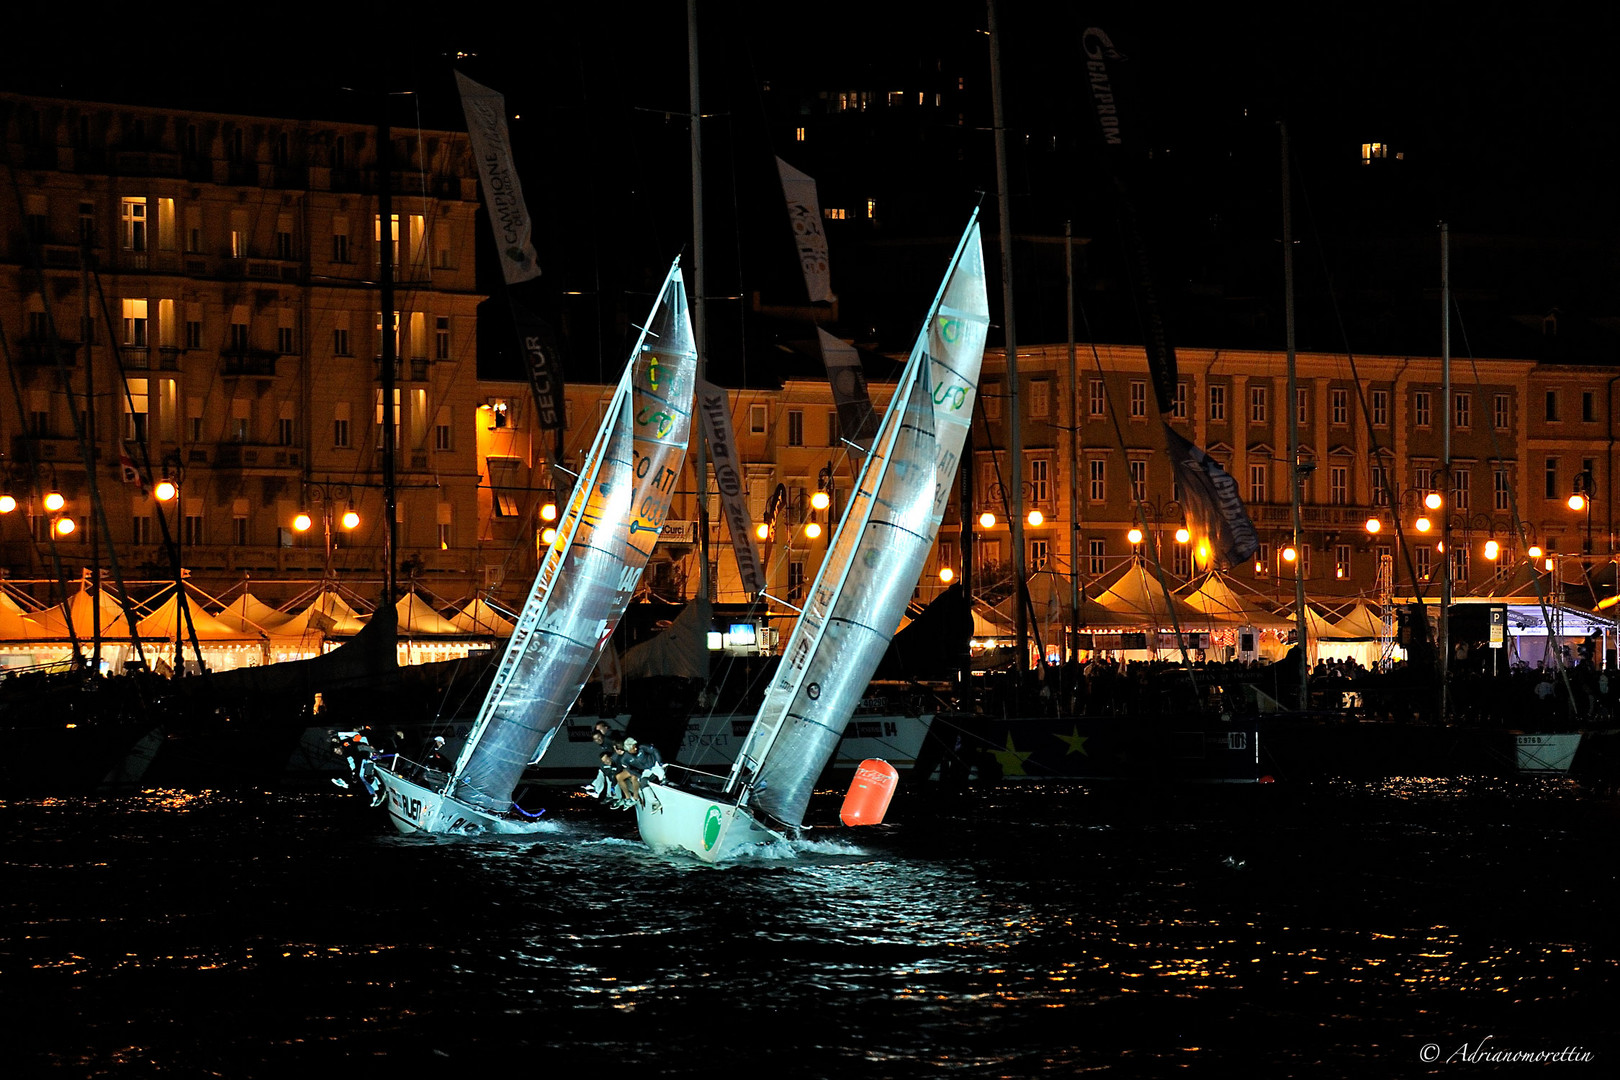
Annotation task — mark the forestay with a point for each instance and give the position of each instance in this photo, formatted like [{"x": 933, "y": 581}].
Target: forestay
[
  {"x": 590, "y": 572},
  {"x": 877, "y": 555}
]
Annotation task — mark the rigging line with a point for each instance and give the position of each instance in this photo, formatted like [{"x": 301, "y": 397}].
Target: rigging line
[
  {"x": 1020, "y": 591},
  {"x": 1513, "y": 509},
  {"x": 1386, "y": 465}
]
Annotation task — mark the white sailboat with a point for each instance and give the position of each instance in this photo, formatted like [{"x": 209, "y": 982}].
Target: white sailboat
[
  {"x": 586, "y": 579},
  {"x": 854, "y": 606}
]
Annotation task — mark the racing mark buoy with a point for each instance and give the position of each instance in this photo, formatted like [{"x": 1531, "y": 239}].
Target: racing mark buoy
[{"x": 869, "y": 793}]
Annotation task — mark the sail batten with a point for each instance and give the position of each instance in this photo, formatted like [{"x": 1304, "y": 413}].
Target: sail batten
[{"x": 612, "y": 522}]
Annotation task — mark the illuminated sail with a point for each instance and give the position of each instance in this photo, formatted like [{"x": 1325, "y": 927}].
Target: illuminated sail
[
  {"x": 590, "y": 572},
  {"x": 877, "y": 555}
]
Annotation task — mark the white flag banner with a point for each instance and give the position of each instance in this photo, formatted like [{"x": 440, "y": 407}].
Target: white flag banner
[
  {"x": 715, "y": 406},
  {"x": 856, "y": 421},
  {"x": 503, "y": 195},
  {"x": 804, "y": 214}
]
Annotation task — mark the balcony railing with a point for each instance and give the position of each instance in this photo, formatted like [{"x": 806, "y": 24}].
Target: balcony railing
[{"x": 255, "y": 362}]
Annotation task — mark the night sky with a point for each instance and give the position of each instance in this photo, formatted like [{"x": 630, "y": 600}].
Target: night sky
[{"x": 1502, "y": 120}]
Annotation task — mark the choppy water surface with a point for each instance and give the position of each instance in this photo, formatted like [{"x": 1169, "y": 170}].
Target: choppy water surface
[{"x": 1327, "y": 929}]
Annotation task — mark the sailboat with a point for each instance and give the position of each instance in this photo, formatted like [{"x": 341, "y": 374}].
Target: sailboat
[
  {"x": 586, "y": 579},
  {"x": 855, "y": 604}
]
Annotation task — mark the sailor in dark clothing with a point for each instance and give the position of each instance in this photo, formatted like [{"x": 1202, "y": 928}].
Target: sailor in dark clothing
[{"x": 433, "y": 757}]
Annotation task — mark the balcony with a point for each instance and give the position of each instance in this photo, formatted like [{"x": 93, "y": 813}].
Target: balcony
[
  {"x": 258, "y": 363},
  {"x": 32, "y": 352},
  {"x": 256, "y": 458}
]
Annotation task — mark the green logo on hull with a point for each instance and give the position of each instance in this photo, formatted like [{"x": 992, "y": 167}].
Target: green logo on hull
[{"x": 711, "y": 827}]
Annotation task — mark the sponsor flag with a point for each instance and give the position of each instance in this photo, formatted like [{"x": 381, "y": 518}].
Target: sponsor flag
[
  {"x": 1210, "y": 497},
  {"x": 131, "y": 473},
  {"x": 804, "y": 215},
  {"x": 856, "y": 421},
  {"x": 715, "y": 406},
  {"x": 509, "y": 219}
]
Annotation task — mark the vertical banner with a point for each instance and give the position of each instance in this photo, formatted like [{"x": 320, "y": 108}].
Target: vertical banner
[
  {"x": 1211, "y": 499},
  {"x": 804, "y": 214},
  {"x": 715, "y": 406},
  {"x": 509, "y": 219},
  {"x": 856, "y": 421}
]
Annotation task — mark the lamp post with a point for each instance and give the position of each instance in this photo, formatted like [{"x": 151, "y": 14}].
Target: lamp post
[
  {"x": 326, "y": 496},
  {"x": 1154, "y": 514},
  {"x": 1581, "y": 499},
  {"x": 166, "y": 490}
]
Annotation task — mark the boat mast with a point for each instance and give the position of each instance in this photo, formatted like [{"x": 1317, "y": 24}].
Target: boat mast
[
  {"x": 699, "y": 322},
  {"x": 1074, "y": 451},
  {"x": 1445, "y": 454},
  {"x": 1015, "y": 433},
  {"x": 1296, "y": 471},
  {"x": 385, "y": 269}
]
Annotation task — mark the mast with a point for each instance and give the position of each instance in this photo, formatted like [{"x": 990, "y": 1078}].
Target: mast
[
  {"x": 1295, "y": 471},
  {"x": 1445, "y": 512},
  {"x": 90, "y": 467},
  {"x": 699, "y": 320},
  {"x": 1074, "y": 449},
  {"x": 385, "y": 268},
  {"x": 1015, "y": 433}
]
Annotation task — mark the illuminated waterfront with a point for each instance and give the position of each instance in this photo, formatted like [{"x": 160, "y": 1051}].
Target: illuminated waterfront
[{"x": 1333, "y": 928}]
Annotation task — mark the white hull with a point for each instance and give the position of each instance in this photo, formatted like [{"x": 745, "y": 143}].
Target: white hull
[
  {"x": 414, "y": 809},
  {"x": 1548, "y": 753},
  {"x": 712, "y": 830}
]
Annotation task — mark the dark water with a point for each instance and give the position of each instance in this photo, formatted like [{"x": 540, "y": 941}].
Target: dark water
[{"x": 1333, "y": 929}]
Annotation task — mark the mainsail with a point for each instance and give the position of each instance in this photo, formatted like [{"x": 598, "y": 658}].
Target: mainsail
[
  {"x": 613, "y": 519},
  {"x": 878, "y": 553}
]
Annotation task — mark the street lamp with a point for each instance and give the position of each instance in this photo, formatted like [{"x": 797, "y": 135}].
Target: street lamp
[
  {"x": 1581, "y": 499},
  {"x": 327, "y": 496}
]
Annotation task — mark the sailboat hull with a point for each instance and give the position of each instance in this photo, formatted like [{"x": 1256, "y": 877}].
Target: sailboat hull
[
  {"x": 710, "y": 829},
  {"x": 414, "y": 809}
]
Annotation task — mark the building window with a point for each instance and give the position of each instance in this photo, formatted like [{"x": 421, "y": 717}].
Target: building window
[
  {"x": 1096, "y": 556},
  {"x": 1338, "y": 485},
  {"x": 192, "y": 533},
  {"x": 1302, "y": 405},
  {"x": 239, "y": 529},
  {"x": 286, "y": 343},
  {"x": 1380, "y": 408},
  {"x": 1217, "y": 404},
  {"x": 193, "y": 333},
  {"x": 1257, "y": 404},
  {"x": 1139, "y": 399},
  {"x": 1420, "y": 408},
  {"x": 284, "y": 238},
  {"x": 1459, "y": 489},
  {"x": 1552, "y": 406},
  {"x": 1423, "y": 478},
  {"x": 241, "y": 420},
  {"x": 1339, "y": 406},
  {"x": 1099, "y": 479},
  {"x": 1178, "y": 408},
  {"x": 1040, "y": 397},
  {"x": 1181, "y": 561},
  {"x": 1499, "y": 482},
  {"x": 991, "y": 398},
  {"x": 1379, "y": 479},
  {"x": 1138, "y": 480},
  {"x": 1552, "y": 490},
  {"x": 1462, "y": 410},
  {"x": 441, "y": 338},
  {"x": 1459, "y": 562},
  {"x": 1257, "y": 482},
  {"x": 340, "y": 426},
  {"x": 140, "y": 529},
  {"x": 135, "y": 323},
  {"x": 239, "y": 336},
  {"x": 1040, "y": 480},
  {"x": 135, "y": 414},
  {"x": 340, "y": 341},
  {"x": 795, "y": 579},
  {"x": 1038, "y": 551},
  {"x": 1097, "y": 398},
  {"x": 286, "y": 425},
  {"x": 1500, "y": 412},
  {"x": 834, "y": 433},
  {"x": 132, "y": 220},
  {"x": 340, "y": 240},
  {"x": 441, "y": 436},
  {"x": 757, "y": 418},
  {"x": 1588, "y": 407},
  {"x": 194, "y": 418},
  {"x": 1341, "y": 560},
  {"x": 795, "y": 427}
]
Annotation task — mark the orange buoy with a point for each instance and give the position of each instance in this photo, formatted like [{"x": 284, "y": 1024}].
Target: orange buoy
[{"x": 869, "y": 793}]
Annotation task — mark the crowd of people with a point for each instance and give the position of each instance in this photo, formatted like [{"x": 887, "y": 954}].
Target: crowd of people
[{"x": 1478, "y": 692}]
